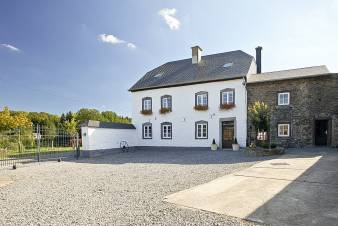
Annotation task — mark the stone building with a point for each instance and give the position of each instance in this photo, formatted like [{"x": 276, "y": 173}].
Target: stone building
[{"x": 304, "y": 105}]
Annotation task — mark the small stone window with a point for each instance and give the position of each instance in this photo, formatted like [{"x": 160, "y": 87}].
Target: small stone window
[
  {"x": 166, "y": 130},
  {"x": 284, "y": 98},
  {"x": 201, "y": 130},
  {"x": 147, "y": 130},
  {"x": 283, "y": 130}
]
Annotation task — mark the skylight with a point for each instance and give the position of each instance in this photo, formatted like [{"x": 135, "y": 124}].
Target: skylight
[
  {"x": 228, "y": 65},
  {"x": 158, "y": 75}
]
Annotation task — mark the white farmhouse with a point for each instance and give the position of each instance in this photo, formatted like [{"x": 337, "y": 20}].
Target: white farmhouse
[{"x": 190, "y": 102}]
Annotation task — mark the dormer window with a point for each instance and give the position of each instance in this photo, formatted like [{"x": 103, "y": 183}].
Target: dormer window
[
  {"x": 284, "y": 98},
  {"x": 201, "y": 101}
]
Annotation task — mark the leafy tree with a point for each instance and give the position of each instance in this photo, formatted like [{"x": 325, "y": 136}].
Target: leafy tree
[
  {"x": 70, "y": 127},
  {"x": 85, "y": 114},
  {"x": 259, "y": 115},
  {"x": 109, "y": 116},
  {"x": 69, "y": 116},
  {"x": 62, "y": 118},
  {"x": 18, "y": 120}
]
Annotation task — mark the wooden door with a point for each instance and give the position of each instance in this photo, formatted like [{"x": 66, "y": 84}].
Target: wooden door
[{"x": 228, "y": 133}]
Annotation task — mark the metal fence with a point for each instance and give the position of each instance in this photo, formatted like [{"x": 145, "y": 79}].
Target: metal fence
[{"x": 37, "y": 144}]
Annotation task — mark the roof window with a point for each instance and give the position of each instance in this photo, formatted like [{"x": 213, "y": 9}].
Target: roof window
[{"x": 228, "y": 65}]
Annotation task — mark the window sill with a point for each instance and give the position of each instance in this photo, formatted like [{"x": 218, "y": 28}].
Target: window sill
[
  {"x": 165, "y": 110},
  {"x": 201, "y": 107},
  {"x": 226, "y": 106},
  {"x": 146, "y": 112}
]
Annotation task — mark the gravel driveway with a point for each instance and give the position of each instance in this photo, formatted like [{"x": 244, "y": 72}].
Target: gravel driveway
[{"x": 119, "y": 189}]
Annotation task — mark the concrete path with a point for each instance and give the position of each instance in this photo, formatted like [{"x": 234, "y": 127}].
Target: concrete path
[{"x": 291, "y": 190}]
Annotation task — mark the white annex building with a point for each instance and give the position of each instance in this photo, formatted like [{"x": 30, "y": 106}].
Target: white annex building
[{"x": 188, "y": 103}]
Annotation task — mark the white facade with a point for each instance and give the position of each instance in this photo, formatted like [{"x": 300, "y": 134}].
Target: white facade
[
  {"x": 105, "y": 138},
  {"x": 184, "y": 116}
]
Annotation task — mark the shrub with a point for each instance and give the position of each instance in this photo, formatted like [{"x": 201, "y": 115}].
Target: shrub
[
  {"x": 201, "y": 107},
  {"x": 263, "y": 144},
  {"x": 165, "y": 110},
  {"x": 226, "y": 106},
  {"x": 273, "y": 145},
  {"x": 146, "y": 112}
]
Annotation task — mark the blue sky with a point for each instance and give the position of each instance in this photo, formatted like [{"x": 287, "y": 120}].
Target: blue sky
[{"x": 63, "y": 55}]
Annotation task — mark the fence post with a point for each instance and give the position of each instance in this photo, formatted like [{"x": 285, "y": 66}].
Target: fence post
[
  {"x": 77, "y": 146},
  {"x": 39, "y": 137}
]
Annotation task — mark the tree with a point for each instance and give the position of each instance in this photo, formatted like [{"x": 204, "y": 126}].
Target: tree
[
  {"x": 109, "y": 116},
  {"x": 70, "y": 127},
  {"x": 69, "y": 116},
  {"x": 86, "y": 114},
  {"x": 62, "y": 118},
  {"x": 259, "y": 114},
  {"x": 18, "y": 120}
]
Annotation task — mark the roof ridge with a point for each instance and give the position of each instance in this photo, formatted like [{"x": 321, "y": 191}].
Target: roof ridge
[
  {"x": 323, "y": 65},
  {"x": 238, "y": 50}
]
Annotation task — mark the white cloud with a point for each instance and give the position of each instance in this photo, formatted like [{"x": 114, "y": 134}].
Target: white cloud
[
  {"x": 168, "y": 16},
  {"x": 10, "y": 47},
  {"x": 111, "y": 39},
  {"x": 131, "y": 45}
]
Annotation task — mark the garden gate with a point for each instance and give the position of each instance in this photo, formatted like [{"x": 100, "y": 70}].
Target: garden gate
[{"x": 37, "y": 144}]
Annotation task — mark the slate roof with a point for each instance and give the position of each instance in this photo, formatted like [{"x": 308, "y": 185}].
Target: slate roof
[
  {"x": 288, "y": 74},
  {"x": 183, "y": 72},
  {"x": 107, "y": 125}
]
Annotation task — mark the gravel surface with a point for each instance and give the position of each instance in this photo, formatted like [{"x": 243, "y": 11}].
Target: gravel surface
[{"x": 118, "y": 189}]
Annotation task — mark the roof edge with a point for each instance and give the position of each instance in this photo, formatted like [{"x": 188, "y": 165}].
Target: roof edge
[
  {"x": 294, "y": 78},
  {"x": 185, "y": 84}
]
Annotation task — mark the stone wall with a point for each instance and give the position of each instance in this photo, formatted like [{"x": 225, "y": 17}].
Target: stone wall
[{"x": 310, "y": 99}]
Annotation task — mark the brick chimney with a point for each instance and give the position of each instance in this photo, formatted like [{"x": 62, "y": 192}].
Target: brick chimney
[
  {"x": 259, "y": 59},
  {"x": 196, "y": 54}
]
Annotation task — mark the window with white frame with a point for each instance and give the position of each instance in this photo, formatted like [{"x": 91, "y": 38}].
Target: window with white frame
[
  {"x": 147, "y": 131},
  {"x": 284, "y": 130},
  {"x": 284, "y": 98},
  {"x": 228, "y": 97},
  {"x": 201, "y": 130},
  {"x": 166, "y": 101},
  {"x": 202, "y": 99},
  {"x": 146, "y": 104},
  {"x": 166, "y": 130}
]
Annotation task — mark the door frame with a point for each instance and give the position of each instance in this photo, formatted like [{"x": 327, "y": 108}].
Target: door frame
[
  {"x": 329, "y": 130},
  {"x": 221, "y": 120}
]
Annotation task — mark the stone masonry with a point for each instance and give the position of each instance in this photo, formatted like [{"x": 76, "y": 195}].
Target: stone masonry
[{"x": 311, "y": 98}]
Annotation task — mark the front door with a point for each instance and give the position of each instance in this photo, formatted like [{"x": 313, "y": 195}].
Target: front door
[
  {"x": 228, "y": 132},
  {"x": 321, "y": 130}
]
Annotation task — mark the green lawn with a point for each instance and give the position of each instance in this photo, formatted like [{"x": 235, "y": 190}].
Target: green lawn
[{"x": 33, "y": 152}]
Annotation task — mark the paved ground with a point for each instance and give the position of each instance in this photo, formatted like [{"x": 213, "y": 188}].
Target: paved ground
[
  {"x": 120, "y": 189},
  {"x": 296, "y": 189}
]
